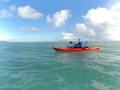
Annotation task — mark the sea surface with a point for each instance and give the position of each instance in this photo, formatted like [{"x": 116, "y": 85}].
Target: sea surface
[{"x": 36, "y": 66}]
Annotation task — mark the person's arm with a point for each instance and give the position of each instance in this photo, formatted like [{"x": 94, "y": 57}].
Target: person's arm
[
  {"x": 74, "y": 44},
  {"x": 77, "y": 44}
]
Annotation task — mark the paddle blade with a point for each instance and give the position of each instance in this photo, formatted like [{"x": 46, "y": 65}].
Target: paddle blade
[{"x": 71, "y": 42}]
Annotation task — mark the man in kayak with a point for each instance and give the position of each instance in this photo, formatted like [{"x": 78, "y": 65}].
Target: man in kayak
[{"x": 79, "y": 45}]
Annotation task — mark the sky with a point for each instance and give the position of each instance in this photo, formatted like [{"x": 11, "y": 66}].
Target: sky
[{"x": 65, "y": 20}]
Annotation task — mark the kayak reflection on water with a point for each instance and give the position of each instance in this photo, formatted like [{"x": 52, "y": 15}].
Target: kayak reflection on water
[{"x": 80, "y": 56}]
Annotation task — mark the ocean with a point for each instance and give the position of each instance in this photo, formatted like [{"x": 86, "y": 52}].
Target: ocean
[{"x": 36, "y": 66}]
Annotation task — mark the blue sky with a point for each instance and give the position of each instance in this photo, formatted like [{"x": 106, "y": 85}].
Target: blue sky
[{"x": 38, "y": 20}]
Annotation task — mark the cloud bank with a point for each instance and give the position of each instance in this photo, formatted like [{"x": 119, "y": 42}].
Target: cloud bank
[
  {"x": 29, "y": 13},
  {"x": 68, "y": 36},
  {"x": 12, "y": 8},
  {"x": 59, "y": 18},
  {"x": 103, "y": 24},
  {"x": 4, "y": 38},
  {"x": 81, "y": 28},
  {"x": 29, "y": 29},
  {"x": 5, "y": 13}
]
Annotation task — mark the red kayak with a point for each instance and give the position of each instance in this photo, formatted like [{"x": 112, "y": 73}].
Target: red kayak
[{"x": 76, "y": 49}]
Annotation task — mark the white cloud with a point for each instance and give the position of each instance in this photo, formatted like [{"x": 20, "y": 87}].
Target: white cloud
[
  {"x": 111, "y": 3},
  {"x": 29, "y": 29},
  {"x": 5, "y": 0},
  {"x": 81, "y": 28},
  {"x": 4, "y": 38},
  {"x": 5, "y": 13},
  {"x": 59, "y": 18},
  {"x": 12, "y": 7},
  {"x": 103, "y": 24},
  {"x": 29, "y": 13},
  {"x": 68, "y": 36}
]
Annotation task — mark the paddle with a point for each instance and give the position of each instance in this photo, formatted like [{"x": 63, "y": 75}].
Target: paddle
[
  {"x": 71, "y": 42},
  {"x": 85, "y": 43}
]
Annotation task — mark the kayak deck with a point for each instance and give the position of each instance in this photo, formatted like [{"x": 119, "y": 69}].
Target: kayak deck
[{"x": 76, "y": 49}]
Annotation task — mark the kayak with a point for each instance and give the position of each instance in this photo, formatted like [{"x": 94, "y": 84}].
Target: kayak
[{"x": 76, "y": 49}]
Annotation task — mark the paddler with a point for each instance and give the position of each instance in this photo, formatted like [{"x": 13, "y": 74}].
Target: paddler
[{"x": 79, "y": 45}]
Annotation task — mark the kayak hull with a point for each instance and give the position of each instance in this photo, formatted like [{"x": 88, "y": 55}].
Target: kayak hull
[{"x": 76, "y": 49}]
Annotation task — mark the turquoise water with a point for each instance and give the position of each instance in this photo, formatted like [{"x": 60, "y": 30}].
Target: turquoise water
[{"x": 36, "y": 66}]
